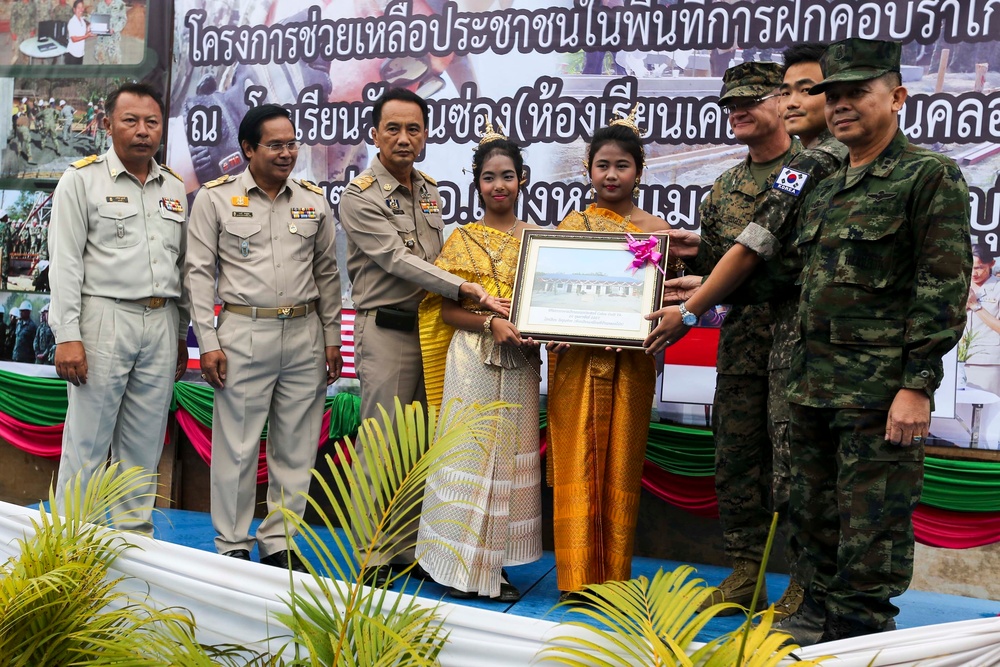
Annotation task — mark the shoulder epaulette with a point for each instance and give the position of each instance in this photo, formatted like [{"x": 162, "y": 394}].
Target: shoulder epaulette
[
  {"x": 171, "y": 172},
  {"x": 312, "y": 187},
  {"x": 218, "y": 181},
  {"x": 427, "y": 178},
  {"x": 363, "y": 182},
  {"x": 83, "y": 162}
]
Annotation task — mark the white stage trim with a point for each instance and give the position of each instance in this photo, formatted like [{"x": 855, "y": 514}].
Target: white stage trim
[{"x": 234, "y": 601}]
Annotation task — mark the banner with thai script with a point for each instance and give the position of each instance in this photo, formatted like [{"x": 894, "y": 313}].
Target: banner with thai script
[{"x": 552, "y": 73}]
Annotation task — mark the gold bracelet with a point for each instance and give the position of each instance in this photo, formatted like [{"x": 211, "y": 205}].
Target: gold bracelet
[
  {"x": 676, "y": 265},
  {"x": 488, "y": 323}
]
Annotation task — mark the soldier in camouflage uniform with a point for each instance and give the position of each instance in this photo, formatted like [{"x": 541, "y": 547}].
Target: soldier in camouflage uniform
[
  {"x": 887, "y": 258},
  {"x": 24, "y": 336},
  {"x": 48, "y": 118},
  {"x": 22, "y": 126},
  {"x": 101, "y": 133},
  {"x": 761, "y": 266},
  {"x": 5, "y": 235},
  {"x": 45, "y": 340},
  {"x": 108, "y": 50},
  {"x": 739, "y": 419},
  {"x": 23, "y": 24}
]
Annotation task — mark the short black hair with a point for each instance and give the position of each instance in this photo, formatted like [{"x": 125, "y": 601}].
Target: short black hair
[
  {"x": 892, "y": 79},
  {"x": 403, "y": 95},
  {"x": 250, "y": 125},
  {"x": 983, "y": 253},
  {"x": 137, "y": 88},
  {"x": 498, "y": 147},
  {"x": 806, "y": 52},
  {"x": 621, "y": 135},
  {"x": 77, "y": 2}
]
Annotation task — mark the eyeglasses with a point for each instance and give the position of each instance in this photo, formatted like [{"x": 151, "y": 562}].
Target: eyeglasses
[
  {"x": 277, "y": 147},
  {"x": 744, "y": 104}
]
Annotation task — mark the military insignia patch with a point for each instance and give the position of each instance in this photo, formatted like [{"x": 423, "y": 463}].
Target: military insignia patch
[
  {"x": 312, "y": 187},
  {"x": 881, "y": 196},
  {"x": 241, "y": 201},
  {"x": 363, "y": 182},
  {"x": 791, "y": 181},
  {"x": 219, "y": 181},
  {"x": 304, "y": 213},
  {"x": 80, "y": 164}
]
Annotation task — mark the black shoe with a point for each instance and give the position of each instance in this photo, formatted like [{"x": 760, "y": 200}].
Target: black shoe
[
  {"x": 806, "y": 625},
  {"x": 572, "y": 597},
  {"x": 285, "y": 559},
  {"x": 415, "y": 572},
  {"x": 239, "y": 554},
  {"x": 461, "y": 595},
  {"x": 377, "y": 576},
  {"x": 837, "y": 628}
]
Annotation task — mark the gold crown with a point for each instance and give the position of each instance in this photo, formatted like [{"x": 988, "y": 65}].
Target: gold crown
[
  {"x": 490, "y": 134},
  {"x": 628, "y": 121}
]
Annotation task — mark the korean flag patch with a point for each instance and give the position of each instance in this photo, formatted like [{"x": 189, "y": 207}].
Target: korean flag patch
[{"x": 791, "y": 181}]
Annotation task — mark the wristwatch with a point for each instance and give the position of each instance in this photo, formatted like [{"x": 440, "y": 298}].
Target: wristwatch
[
  {"x": 976, "y": 308},
  {"x": 687, "y": 317}
]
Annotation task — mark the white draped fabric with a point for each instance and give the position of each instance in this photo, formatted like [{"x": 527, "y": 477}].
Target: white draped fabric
[{"x": 233, "y": 602}]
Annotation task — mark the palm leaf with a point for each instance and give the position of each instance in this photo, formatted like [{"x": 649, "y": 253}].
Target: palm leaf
[
  {"x": 336, "y": 620},
  {"x": 59, "y": 604}
]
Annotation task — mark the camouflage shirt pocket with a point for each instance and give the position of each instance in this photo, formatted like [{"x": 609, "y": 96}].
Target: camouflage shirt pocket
[{"x": 867, "y": 250}]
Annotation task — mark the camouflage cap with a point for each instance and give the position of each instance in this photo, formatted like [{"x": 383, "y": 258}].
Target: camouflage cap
[
  {"x": 857, "y": 59},
  {"x": 750, "y": 79}
]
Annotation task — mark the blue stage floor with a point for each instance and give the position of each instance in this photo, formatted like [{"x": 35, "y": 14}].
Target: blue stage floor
[{"x": 537, "y": 583}]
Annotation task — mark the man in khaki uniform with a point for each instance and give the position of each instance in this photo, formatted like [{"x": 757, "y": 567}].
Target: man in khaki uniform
[
  {"x": 278, "y": 336},
  {"x": 391, "y": 214},
  {"x": 118, "y": 312}
]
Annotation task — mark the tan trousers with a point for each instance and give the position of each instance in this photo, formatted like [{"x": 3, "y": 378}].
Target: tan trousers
[
  {"x": 389, "y": 365},
  {"x": 131, "y": 359},
  {"x": 275, "y": 371}
]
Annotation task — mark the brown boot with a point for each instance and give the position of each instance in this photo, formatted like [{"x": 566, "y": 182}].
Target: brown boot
[
  {"x": 738, "y": 587},
  {"x": 790, "y": 600}
]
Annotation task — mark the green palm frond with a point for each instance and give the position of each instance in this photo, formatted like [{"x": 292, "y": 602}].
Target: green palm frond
[
  {"x": 336, "y": 619},
  {"x": 59, "y": 604},
  {"x": 640, "y": 621},
  {"x": 752, "y": 646}
]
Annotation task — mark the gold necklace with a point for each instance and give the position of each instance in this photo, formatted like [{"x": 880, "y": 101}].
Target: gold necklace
[{"x": 496, "y": 256}]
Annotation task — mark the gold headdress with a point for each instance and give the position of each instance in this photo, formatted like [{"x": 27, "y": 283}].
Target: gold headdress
[
  {"x": 490, "y": 134},
  {"x": 626, "y": 121},
  {"x": 629, "y": 121}
]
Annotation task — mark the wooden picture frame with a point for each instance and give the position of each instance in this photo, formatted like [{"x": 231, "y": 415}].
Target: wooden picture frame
[{"x": 580, "y": 287}]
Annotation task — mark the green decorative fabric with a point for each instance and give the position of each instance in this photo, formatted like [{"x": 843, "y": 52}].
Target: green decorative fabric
[{"x": 33, "y": 400}]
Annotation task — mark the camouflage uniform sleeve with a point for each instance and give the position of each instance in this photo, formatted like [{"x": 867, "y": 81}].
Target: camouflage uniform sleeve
[
  {"x": 936, "y": 316},
  {"x": 775, "y": 217},
  {"x": 708, "y": 250}
]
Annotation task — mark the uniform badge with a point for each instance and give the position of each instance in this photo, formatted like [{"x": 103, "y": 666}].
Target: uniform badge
[
  {"x": 881, "y": 196},
  {"x": 172, "y": 205},
  {"x": 241, "y": 201},
  {"x": 245, "y": 247},
  {"x": 387, "y": 187},
  {"x": 242, "y": 214},
  {"x": 790, "y": 181},
  {"x": 116, "y": 200},
  {"x": 308, "y": 213},
  {"x": 292, "y": 228},
  {"x": 409, "y": 243},
  {"x": 394, "y": 206}
]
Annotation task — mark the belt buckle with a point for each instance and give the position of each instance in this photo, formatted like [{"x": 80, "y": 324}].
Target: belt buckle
[
  {"x": 156, "y": 302},
  {"x": 284, "y": 313}
]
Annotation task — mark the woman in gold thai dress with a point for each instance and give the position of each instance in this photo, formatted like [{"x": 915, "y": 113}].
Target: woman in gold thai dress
[
  {"x": 479, "y": 357},
  {"x": 600, "y": 399}
]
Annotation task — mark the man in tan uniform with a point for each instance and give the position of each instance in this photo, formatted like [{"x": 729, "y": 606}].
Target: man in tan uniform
[
  {"x": 278, "y": 336},
  {"x": 392, "y": 216},
  {"x": 118, "y": 312}
]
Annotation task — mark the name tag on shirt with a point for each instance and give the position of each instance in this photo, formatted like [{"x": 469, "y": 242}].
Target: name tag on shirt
[
  {"x": 242, "y": 214},
  {"x": 116, "y": 200}
]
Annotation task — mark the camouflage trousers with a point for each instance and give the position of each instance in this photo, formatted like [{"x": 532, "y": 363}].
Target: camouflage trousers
[
  {"x": 777, "y": 425},
  {"x": 743, "y": 455},
  {"x": 852, "y": 499}
]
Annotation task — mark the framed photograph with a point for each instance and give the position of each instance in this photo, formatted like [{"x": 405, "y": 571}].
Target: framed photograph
[{"x": 586, "y": 288}]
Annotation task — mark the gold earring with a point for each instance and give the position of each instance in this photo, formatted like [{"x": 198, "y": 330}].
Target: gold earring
[
  {"x": 592, "y": 193},
  {"x": 635, "y": 190}
]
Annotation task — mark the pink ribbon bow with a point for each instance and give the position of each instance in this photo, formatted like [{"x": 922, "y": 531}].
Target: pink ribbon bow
[{"x": 644, "y": 252}]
